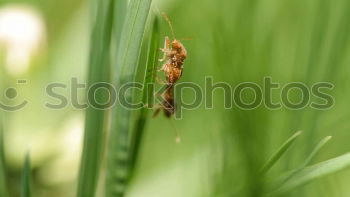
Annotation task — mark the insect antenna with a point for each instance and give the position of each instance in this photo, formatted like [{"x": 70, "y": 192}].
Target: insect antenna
[
  {"x": 189, "y": 38},
  {"x": 165, "y": 16}
]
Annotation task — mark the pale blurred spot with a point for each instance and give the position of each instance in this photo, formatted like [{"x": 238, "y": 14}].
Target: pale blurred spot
[
  {"x": 55, "y": 149},
  {"x": 69, "y": 147},
  {"x": 22, "y": 32}
]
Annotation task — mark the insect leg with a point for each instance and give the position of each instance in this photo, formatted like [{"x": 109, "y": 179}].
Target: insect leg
[
  {"x": 155, "y": 114},
  {"x": 161, "y": 81},
  {"x": 166, "y": 48},
  {"x": 164, "y": 67},
  {"x": 157, "y": 108},
  {"x": 167, "y": 42}
]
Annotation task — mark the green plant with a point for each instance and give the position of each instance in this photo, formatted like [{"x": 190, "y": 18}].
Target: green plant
[
  {"x": 95, "y": 121},
  {"x": 147, "y": 95},
  {"x": 118, "y": 156},
  {"x": 3, "y": 190},
  {"x": 26, "y": 176},
  {"x": 303, "y": 174},
  {"x": 308, "y": 174},
  {"x": 275, "y": 157},
  {"x": 224, "y": 152}
]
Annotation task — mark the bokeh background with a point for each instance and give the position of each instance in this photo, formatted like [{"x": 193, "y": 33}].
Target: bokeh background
[{"x": 233, "y": 41}]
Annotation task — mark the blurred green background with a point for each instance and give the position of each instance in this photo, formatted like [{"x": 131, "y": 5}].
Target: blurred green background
[{"x": 233, "y": 41}]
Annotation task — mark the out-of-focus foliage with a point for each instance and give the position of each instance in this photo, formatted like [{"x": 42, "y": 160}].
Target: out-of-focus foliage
[{"x": 222, "y": 151}]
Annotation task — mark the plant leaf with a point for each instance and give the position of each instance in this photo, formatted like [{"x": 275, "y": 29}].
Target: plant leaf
[
  {"x": 276, "y": 156},
  {"x": 120, "y": 12},
  {"x": 289, "y": 175},
  {"x": 311, "y": 173},
  {"x": 148, "y": 92},
  {"x": 26, "y": 178},
  {"x": 98, "y": 71},
  {"x": 316, "y": 150},
  {"x": 3, "y": 188},
  {"x": 118, "y": 158}
]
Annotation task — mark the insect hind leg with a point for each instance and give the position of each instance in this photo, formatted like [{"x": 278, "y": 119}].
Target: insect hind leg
[{"x": 156, "y": 112}]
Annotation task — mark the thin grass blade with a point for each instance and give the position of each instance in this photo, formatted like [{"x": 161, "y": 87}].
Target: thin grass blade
[
  {"x": 3, "y": 187},
  {"x": 276, "y": 156},
  {"x": 315, "y": 151},
  {"x": 148, "y": 92},
  {"x": 98, "y": 72},
  {"x": 120, "y": 14},
  {"x": 290, "y": 175},
  {"x": 311, "y": 173},
  {"x": 118, "y": 158},
  {"x": 26, "y": 191}
]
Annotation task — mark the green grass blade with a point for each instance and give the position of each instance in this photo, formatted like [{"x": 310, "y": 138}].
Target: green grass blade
[
  {"x": 3, "y": 188},
  {"x": 99, "y": 71},
  {"x": 128, "y": 54},
  {"x": 25, "y": 192},
  {"x": 290, "y": 175},
  {"x": 316, "y": 150},
  {"x": 276, "y": 156},
  {"x": 120, "y": 12},
  {"x": 311, "y": 173},
  {"x": 148, "y": 93}
]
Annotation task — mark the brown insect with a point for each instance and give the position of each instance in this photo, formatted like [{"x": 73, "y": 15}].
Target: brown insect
[{"x": 174, "y": 56}]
